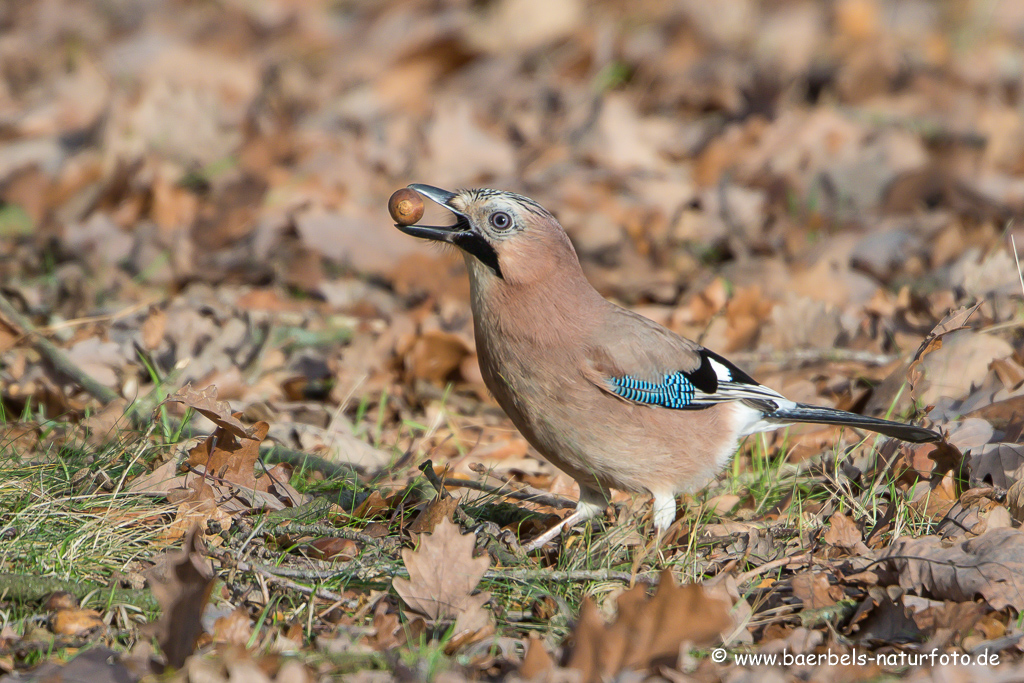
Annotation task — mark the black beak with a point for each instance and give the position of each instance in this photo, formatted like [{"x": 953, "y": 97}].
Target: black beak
[{"x": 461, "y": 234}]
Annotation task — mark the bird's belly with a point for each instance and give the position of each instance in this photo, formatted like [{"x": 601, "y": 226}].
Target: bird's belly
[{"x": 598, "y": 439}]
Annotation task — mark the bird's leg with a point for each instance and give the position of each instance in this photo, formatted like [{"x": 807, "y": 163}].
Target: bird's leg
[
  {"x": 664, "y": 512},
  {"x": 591, "y": 504}
]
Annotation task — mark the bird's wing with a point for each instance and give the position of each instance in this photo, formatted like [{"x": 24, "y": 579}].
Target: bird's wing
[{"x": 642, "y": 362}]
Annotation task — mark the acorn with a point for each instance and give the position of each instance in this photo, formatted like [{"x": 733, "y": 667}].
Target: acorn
[{"x": 406, "y": 206}]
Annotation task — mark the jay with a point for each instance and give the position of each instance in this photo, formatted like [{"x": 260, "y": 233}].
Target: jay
[{"x": 608, "y": 396}]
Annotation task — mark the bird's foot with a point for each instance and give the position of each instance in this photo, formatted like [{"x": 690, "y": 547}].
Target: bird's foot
[{"x": 582, "y": 514}]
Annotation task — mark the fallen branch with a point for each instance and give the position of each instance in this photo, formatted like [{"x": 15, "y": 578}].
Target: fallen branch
[
  {"x": 31, "y": 588},
  {"x": 325, "y": 530},
  {"x": 774, "y": 564},
  {"x": 275, "y": 575},
  {"x": 59, "y": 360},
  {"x": 532, "y": 496},
  {"x": 537, "y": 496},
  {"x": 534, "y": 575},
  {"x": 375, "y": 572}
]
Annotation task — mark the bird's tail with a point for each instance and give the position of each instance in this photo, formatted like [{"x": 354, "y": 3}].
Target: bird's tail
[{"x": 802, "y": 412}]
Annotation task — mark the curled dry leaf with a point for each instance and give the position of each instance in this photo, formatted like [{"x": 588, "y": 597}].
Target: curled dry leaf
[
  {"x": 436, "y": 510},
  {"x": 647, "y": 631},
  {"x": 219, "y": 412},
  {"x": 235, "y": 628},
  {"x": 1015, "y": 500},
  {"x": 181, "y": 583},
  {"x": 999, "y": 464},
  {"x": 231, "y": 457},
  {"x": 991, "y": 566},
  {"x": 75, "y": 622},
  {"x": 843, "y": 532},
  {"x": 814, "y": 590},
  {"x": 442, "y": 577}
]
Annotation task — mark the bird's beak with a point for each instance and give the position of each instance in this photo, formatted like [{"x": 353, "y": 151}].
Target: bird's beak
[
  {"x": 436, "y": 232},
  {"x": 461, "y": 233}
]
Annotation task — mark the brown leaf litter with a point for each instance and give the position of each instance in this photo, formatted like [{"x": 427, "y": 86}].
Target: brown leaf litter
[
  {"x": 990, "y": 566},
  {"x": 182, "y": 583},
  {"x": 647, "y": 633},
  {"x": 443, "y": 575}
]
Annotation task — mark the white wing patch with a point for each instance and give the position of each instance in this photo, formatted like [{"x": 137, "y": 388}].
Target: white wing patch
[{"x": 723, "y": 373}]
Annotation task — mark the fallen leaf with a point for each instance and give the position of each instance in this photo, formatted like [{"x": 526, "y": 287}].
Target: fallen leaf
[
  {"x": 153, "y": 328},
  {"x": 435, "y": 355},
  {"x": 436, "y": 510},
  {"x": 160, "y": 481},
  {"x": 235, "y": 628},
  {"x": 1015, "y": 500},
  {"x": 996, "y": 464},
  {"x": 991, "y": 565},
  {"x": 842, "y": 532},
  {"x": 888, "y": 621},
  {"x": 373, "y": 506},
  {"x": 647, "y": 631},
  {"x": 231, "y": 457},
  {"x": 959, "y": 361},
  {"x": 332, "y": 548},
  {"x": 442, "y": 577},
  {"x": 219, "y": 412},
  {"x": 75, "y": 622},
  {"x": 388, "y": 632},
  {"x": 814, "y": 590},
  {"x": 536, "y": 661},
  {"x": 96, "y": 665},
  {"x": 181, "y": 583}
]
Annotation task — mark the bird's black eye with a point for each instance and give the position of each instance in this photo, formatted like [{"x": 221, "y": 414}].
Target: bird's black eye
[{"x": 501, "y": 220}]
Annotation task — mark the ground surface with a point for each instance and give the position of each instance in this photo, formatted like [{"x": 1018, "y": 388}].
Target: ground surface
[{"x": 193, "y": 195}]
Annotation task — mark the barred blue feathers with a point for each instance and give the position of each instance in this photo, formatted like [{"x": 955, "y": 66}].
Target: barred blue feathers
[{"x": 675, "y": 391}]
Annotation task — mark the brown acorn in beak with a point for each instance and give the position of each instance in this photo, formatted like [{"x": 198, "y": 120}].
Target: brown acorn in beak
[{"x": 406, "y": 206}]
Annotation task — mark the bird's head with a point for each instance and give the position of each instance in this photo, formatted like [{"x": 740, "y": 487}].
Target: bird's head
[{"x": 508, "y": 236}]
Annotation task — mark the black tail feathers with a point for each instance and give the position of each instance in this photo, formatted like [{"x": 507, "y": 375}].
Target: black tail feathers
[{"x": 818, "y": 415}]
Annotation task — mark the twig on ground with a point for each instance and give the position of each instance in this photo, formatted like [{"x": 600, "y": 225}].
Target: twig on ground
[
  {"x": 374, "y": 572},
  {"x": 536, "y": 495},
  {"x": 30, "y": 588},
  {"x": 774, "y": 564},
  {"x": 56, "y": 357},
  {"x": 275, "y": 575},
  {"x": 385, "y": 543},
  {"x": 533, "y": 496},
  {"x": 532, "y": 575}
]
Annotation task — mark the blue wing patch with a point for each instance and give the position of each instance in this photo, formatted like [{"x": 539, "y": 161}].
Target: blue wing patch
[
  {"x": 716, "y": 380},
  {"x": 675, "y": 391}
]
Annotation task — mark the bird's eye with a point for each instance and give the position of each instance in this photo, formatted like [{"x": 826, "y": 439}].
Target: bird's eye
[{"x": 501, "y": 220}]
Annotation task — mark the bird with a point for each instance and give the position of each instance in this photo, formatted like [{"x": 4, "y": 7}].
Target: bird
[{"x": 612, "y": 398}]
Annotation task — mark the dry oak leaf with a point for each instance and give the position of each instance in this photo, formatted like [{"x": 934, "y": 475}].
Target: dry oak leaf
[
  {"x": 232, "y": 457},
  {"x": 442, "y": 576},
  {"x": 181, "y": 584},
  {"x": 1000, "y": 464},
  {"x": 647, "y": 631},
  {"x": 434, "y": 512},
  {"x": 991, "y": 565},
  {"x": 843, "y": 533},
  {"x": 219, "y": 412},
  {"x": 814, "y": 590}
]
